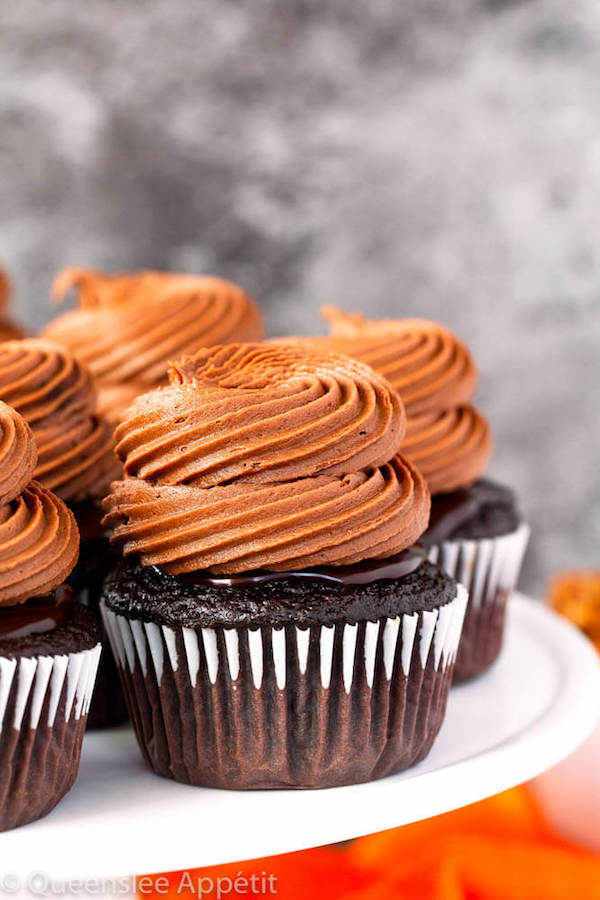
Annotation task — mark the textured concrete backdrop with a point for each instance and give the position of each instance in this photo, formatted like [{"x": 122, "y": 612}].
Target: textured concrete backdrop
[{"x": 418, "y": 158}]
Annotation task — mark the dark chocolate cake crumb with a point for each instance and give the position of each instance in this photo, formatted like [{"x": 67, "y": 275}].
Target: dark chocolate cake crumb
[{"x": 148, "y": 594}]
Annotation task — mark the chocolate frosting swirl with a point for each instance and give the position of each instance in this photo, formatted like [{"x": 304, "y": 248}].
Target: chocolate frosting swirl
[
  {"x": 451, "y": 448},
  {"x": 56, "y": 396},
  {"x": 319, "y": 520},
  {"x": 17, "y": 454},
  {"x": 427, "y": 364},
  {"x": 447, "y": 439},
  {"x": 39, "y": 540},
  {"x": 260, "y": 414},
  {"x": 129, "y": 326},
  {"x": 265, "y": 457},
  {"x": 39, "y": 544}
]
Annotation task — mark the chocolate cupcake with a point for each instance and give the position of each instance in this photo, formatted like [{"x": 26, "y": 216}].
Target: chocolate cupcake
[
  {"x": 56, "y": 396},
  {"x": 128, "y": 326},
  {"x": 271, "y": 626},
  {"x": 477, "y": 534},
  {"x": 49, "y": 646}
]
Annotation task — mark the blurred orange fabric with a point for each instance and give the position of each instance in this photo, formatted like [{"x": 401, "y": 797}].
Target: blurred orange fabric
[{"x": 499, "y": 849}]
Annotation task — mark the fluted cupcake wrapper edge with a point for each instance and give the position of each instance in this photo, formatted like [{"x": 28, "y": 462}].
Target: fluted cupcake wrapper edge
[
  {"x": 489, "y": 569},
  {"x": 290, "y": 707},
  {"x": 44, "y": 703}
]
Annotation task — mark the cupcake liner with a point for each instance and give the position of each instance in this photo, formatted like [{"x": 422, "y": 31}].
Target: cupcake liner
[
  {"x": 95, "y": 562},
  {"x": 489, "y": 569},
  {"x": 108, "y": 708},
  {"x": 289, "y": 707},
  {"x": 44, "y": 702}
]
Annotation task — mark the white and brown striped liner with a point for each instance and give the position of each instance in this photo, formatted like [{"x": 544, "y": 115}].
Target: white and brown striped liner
[
  {"x": 136, "y": 642},
  {"x": 38, "y": 682},
  {"x": 489, "y": 569},
  {"x": 44, "y": 703}
]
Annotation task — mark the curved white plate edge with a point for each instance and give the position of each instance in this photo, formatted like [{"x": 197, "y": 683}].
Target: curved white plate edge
[{"x": 542, "y": 754}]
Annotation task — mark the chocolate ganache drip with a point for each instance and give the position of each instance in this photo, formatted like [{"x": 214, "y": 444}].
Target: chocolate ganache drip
[
  {"x": 37, "y": 616},
  {"x": 365, "y": 572},
  {"x": 460, "y": 513}
]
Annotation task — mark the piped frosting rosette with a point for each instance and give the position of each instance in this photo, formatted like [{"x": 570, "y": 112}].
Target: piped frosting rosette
[
  {"x": 55, "y": 395},
  {"x": 129, "y": 326},
  {"x": 447, "y": 438},
  {"x": 451, "y": 448},
  {"x": 39, "y": 540},
  {"x": 427, "y": 364},
  {"x": 265, "y": 456}
]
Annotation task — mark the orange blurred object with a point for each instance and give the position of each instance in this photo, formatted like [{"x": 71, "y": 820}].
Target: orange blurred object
[
  {"x": 499, "y": 849},
  {"x": 577, "y": 596}
]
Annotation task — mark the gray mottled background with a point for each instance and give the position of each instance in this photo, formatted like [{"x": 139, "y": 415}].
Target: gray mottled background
[{"x": 431, "y": 158}]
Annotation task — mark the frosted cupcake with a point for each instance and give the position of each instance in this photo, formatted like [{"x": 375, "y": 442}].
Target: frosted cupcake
[
  {"x": 49, "y": 646},
  {"x": 476, "y": 532},
  {"x": 272, "y": 626},
  {"x": 75, "y": 459},
  {"x": 129, "y": 326}
]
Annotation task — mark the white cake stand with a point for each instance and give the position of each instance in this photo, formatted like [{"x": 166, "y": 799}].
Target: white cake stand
[{"x": 537, "y": 704}]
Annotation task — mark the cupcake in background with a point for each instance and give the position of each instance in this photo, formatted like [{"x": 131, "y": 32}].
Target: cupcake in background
[
  {"x": 476, "y": 532},
  {"x": 9, "y": 330},
  {"x": 49, "y": 645},
  {"x": 56, "y": 396},
  {"x": 273, "y": 623},
  {"x": 127, "y": 327}
]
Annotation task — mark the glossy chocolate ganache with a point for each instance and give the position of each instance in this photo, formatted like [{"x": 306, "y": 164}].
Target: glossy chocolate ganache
[
  {"x": 482, "y": 510},
  {"x": 36, "y": 616},
  {"x": 365, "y": 572},
  {"x": 265, "y": 457},
  {"x": 408, "y": 584}
]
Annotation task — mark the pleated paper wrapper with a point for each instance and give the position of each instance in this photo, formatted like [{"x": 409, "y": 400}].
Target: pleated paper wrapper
[
  {"x": 44, "y": 703},
  {"x": 289, "y": 707},
  {"x": 489, "y": 569}
]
